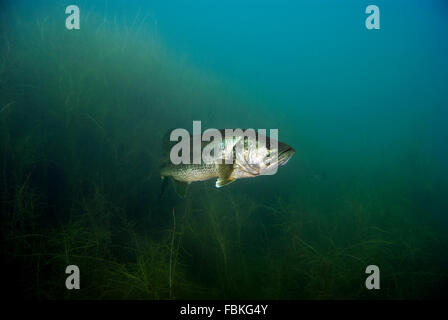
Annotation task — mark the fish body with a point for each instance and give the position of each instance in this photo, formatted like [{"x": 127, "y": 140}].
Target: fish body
[
  {"x": 234, "y": 157},
  {"x": 190, "y": 172}
]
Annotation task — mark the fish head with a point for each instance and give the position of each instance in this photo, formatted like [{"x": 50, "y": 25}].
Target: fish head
[
  {"x": 275, "y": 156},
  {"x": 263, "y": 156},
  {"x": 284, "y": 153}
]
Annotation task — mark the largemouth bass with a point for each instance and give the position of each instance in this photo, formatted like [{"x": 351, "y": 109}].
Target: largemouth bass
[{"x": 233, "y": 157}]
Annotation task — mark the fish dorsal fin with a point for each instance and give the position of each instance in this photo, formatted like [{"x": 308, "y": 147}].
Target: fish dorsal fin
[
  {"x": 166, "y": 143},
  {"x": 180, "y": 187},
  {"x": 224, "y": 175}
]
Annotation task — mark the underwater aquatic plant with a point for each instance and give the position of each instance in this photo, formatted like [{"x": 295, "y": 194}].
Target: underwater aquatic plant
[{"x": 80, "y": 136}]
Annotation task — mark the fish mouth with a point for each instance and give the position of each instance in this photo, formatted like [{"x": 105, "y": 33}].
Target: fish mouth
[{"x": 285, "y": 155}]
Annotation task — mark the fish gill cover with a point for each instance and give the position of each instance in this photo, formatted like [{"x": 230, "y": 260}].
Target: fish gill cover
[{"x": 83, "y": 114}]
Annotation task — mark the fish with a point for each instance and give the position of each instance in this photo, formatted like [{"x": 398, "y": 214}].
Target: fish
[{"x": 239, "y": 156}]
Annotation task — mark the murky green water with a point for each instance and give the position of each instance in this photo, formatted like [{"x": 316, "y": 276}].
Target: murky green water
[{"x": 83, "y": 113}]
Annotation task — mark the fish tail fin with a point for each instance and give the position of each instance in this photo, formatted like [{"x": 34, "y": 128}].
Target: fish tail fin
[
  {"x": 181, "y": 188},
  {"x": 163, "y": 187}
]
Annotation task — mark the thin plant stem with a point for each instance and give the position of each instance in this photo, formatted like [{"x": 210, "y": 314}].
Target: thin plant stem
[{"x": 171, "y": 254}]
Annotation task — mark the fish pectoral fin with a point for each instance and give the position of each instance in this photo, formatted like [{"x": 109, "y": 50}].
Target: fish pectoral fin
[
  {"x": 224, "y": 175},
  {"x": 180, "y": 187},
  {"x": 223, "y": 182}
]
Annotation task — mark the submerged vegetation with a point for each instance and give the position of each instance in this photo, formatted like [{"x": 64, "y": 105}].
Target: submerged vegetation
[{"x": 81, "y": 122}]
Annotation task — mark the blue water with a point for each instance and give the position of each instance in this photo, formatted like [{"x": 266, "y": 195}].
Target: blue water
[{"x": 83, "y": 114}]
